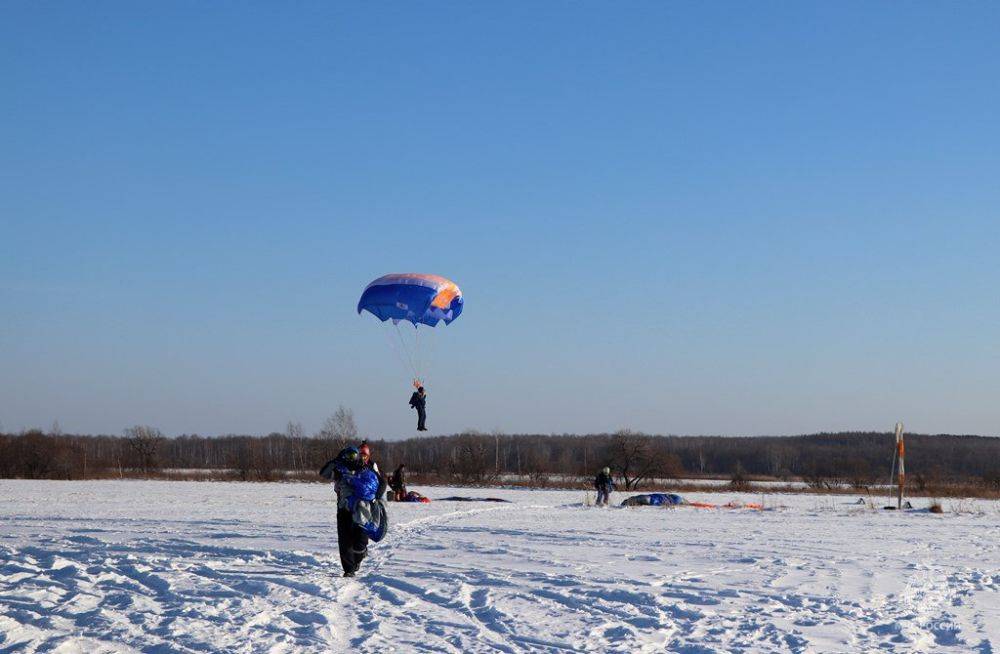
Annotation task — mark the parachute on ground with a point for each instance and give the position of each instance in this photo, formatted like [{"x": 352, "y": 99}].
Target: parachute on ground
[
  {"x": 654, "y": 499},
  {"x": 673, "y": 499}
]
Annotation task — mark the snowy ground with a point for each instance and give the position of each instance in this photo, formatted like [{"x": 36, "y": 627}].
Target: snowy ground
[{"x": 164, "y": 567}]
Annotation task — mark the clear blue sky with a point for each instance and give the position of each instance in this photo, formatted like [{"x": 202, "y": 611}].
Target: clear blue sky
[{"x": 721, "y": 217}]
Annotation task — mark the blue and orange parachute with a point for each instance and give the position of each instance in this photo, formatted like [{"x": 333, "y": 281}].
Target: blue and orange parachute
[{"x": 417, "y": 298}]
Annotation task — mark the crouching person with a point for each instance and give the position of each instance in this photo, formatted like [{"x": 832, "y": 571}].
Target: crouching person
[
  {"x": 361, "y": 515},
  {"x": 397, "y": 482}
]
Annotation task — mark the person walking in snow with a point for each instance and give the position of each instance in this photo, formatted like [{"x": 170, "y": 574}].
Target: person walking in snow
[
  {"x": 604, "y": 485},
  {"x": 418, "y": 401},
  {"x": 360, "y": 513}
]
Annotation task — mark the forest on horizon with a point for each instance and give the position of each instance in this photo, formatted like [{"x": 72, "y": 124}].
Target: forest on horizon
[{"x": 856, "y": 459}]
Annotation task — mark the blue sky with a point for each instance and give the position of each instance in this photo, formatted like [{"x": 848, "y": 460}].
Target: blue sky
[{"x": 683, "y": 218}]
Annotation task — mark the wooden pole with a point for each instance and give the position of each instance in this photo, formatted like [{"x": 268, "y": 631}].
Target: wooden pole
[{"x": 900, "y": 449}]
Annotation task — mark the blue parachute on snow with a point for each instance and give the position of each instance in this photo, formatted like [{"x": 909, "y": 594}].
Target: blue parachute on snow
[{"x": 654, "y": 499}]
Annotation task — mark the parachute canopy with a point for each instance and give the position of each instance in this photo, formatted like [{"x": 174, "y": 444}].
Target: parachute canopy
[
  {"x": 654, "y": 499},
  {"x": 413, "y": 297}
]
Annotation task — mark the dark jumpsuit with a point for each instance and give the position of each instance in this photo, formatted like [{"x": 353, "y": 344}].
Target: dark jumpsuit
[{"x": 419, "y": 402}]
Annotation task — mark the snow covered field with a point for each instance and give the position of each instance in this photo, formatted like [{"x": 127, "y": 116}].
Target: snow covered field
[{"x": 163, "y": 567}]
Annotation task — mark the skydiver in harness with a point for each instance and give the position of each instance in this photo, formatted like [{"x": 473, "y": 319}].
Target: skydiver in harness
[{"x": 418, "y": 401}]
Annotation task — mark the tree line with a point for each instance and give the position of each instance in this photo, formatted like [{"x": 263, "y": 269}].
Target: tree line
[{"x": 859, "y": 459}]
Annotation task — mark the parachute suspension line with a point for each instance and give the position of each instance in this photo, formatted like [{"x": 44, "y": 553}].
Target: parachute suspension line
[
  {"x": 392, "y": 344},
  {"x": 407, "y": 350},
  {"x": 417, "y": 353},
  {"x": 422, "y": 300},
  {"x": 424, "y": 353},
  {"x": 399, "y": 349},
  {"x": 426, "y": 349}
]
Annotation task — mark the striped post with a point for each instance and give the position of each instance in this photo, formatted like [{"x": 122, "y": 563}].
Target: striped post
[{"x": 900, "y": 449}]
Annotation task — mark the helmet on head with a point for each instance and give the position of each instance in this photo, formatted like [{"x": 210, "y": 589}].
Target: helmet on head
[{"x": 350, "y": 457}]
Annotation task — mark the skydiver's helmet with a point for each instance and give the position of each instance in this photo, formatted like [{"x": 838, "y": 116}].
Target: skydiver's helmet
[
  {"x": 606, "y": 471},
  {"x": 351, "y": 458},
  {"x": 365, "y": 452}
]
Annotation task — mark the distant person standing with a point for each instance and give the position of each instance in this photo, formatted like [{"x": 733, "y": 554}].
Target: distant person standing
[
  {"x": 604, "y": 485},
  {"x": 418, "y": 401}
]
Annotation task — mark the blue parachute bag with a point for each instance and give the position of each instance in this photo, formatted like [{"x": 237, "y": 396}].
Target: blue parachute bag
[
  {"x": 379, "y": 524},
  {"x": 368, "y": 512},
  {"x": 364, "y": 485}
]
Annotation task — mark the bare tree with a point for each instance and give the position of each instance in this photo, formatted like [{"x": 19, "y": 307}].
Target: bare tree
[
  {"x": 337, "y": 431},
  {"x": 991, "y": 478},
  {"x": 297, "y": 438},
  {"x": 472, "y": 458},
  {"x": 250, "y": 459},
  {"x": 534, "y": 464},
  {"x": 637, "y": 458},
  {"x": 857, "y": 472},
  {"x": 340, "y": 426},
  {"x": 928, "y": 480},
  {"x": 738, "y": 480},
  {"x": 145, "y": 442}
]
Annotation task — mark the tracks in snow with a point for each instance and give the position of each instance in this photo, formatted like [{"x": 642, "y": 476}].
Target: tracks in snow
[
  {"x": 206, "y": 575},
  {"x": 540, "y": 580}
]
